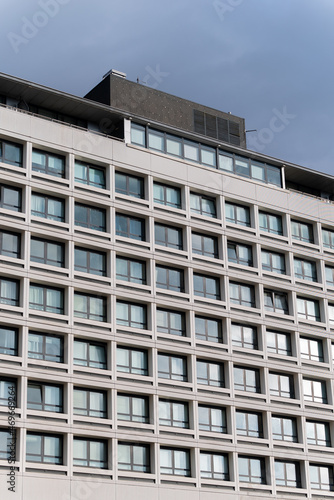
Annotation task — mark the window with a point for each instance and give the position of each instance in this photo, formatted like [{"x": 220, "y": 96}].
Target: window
[
  {"x": 203, "y": 205},
  {"x": 279, "y": 343},
  {"x": 247, "y": 379},
  {"x": 287, "y": 474},
  {"x": 10, "y": 244},
  {"x": 331, "y": 313},
  {"x": 205, "y": 245},
  {"x": 329, "y": 275},
  {"x": 90, "y": 354},
  {"x": 252, "y": 470},
  {"x": 273, "y": 262},
  {"x": 132, "y": 361},
  {"x": 44, "y": 448},
  {"x": 175, "y": 461},
  {"x": 208, "y": 329},
  {"x": 10, "y": 198},
  {"x": 311, "y": 349},
  {"x": 134, "y": 457},
  {"x": 173, "y": 413},
  {"x": 328, "y": 238},
  {"x": 9, "y": 292},
  {"x": 48, "y": 163},
  {"x": 281, "y": 385},
  {"x": 47, "y": 252},
  {"x": 315, "y": 391},
  {"x": 212, "y": 419},
  {"x": 169, "y": 279},
  {"x": 239, "y": 253},
  {"x": 90, "y": 453},
  {"x": 45, "y": 397},
  {"x": 246, "y": 167},
  {"x": 171, "y": 322},
  {"x": 308, "y": 309},
  {"x": 321, "y": 477},
  {"x": 284, "y": 429},
  {"x": 244, "y": 336},
  {"x": 48, "y": 207},
  {"x": 249, "y": 424},
  {"x": 132, "y": 408},
  {"x": 11, "y": 153},
  {"x": 131, "y": 315},
  {"x": 90, "y": 307},
  {"x": 45, "y": 347},
  {"x": 237, "y": 214},
  {"x": 242, "y": 295},
  {"x": 168, "y": 236},
  {"x": 130, "y": 270},
  {"x": 6, "y": 448},
  {"x": 130, "y": 185},
  {"x": 172, "y": 367},
  {"x": 210, "y": 373},
  {"x": 90, "y": 261},
  {"x": 318, "y": 433},
  {"x": 90, "y": 217},
  {"x": 130, "y": 227},
  {"x": 42, "y": 298},
  {"x": 214, "y": 466},
  {"x": 8, "y": 341},
  {"x": 305, "y": 269},
  {"x": 89, "y": 403},
  {"x": 138, "y": 133},
  {"x": 7, "y": 388},
  {"x": 206, "y": 287},
  {"x": 270, "y": 223},
  {"x": 302, "y": 231},
  {"x": 167, "y": 195},
  {"x": 85, "y": 173},
  {"x": 276, "y": 301}
]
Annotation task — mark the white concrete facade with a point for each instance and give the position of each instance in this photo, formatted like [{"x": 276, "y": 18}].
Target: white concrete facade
[{"x": 295, "y": 382}]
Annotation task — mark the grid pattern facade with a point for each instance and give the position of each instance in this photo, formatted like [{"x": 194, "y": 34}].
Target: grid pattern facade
[{"x": 157, "y": 330}]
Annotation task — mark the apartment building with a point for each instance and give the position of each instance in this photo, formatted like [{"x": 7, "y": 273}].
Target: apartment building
[{"x": 167, "y": 306}]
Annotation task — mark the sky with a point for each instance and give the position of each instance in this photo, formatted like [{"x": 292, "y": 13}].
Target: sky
[{"x": 268, "y": 61}]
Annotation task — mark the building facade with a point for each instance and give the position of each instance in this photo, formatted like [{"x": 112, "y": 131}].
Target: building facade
[{"x": 167, "y": 306}]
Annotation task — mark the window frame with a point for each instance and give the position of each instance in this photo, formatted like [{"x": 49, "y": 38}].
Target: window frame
[
  {"x": 142, "y": 418},
  {"x": 205, "y": 335},
  {"x": 242, "y": 287},
  {"x": 173, "y": 409},
  {"x": 271, "y": 265},
  {"x": 237, "y": 257},
  {"x": 143, "y": 369},
  {"x": 44, "y": 458},
  {"x": 128, "y": 321},
  {"x": 210, "y": 378},
  {"x": 210, "y": 424},
  {"x": 89, "y": 167},
  {"x": 87, "y": 410},
  {"x": 170, "y": 374},
  {"x": 244, "y": 342},
  {"x": 277, "y": 389},
  {"x": 201, "y": 249},
  {"x": 8, "y": 345},
  {"x": 89, "y": 360},
  {"x": 128, "y": 233},
  {"x": 90, "y": 462},
  {"x": 46, "y": 214},
  {"x": 43, "y": 355},
  {"x": 89, "y": 255},
  {"x": 43, "y": 404},
  {"x": 203, "y": 290},
  {"x": 247, "y": 386},
  {"x": 128, "y": 191},
  {"x": 244, "y": 221},
  {"x": 167, "y": 283},
  {"x": 276, "y": 298},
  {"x": 169, "y": 329},
  {"x": 286, "y": 351},
  {"x": 8, "y": 299},
  {"x": 14, "y": 254},
  {"x": 45, "y": 259},
  {"x": 132, "y": 465},
  {"x": 303, "y": 274},
  {"x": 268, "y": 226},
  {"x": 44, "y": 306},
  {"x": 164, "y": 200},
  {"x": 247, "y": 426},
  {"x": 167, "y": 241},
  {"x": 88, "y": 311},
  {"x": 47, "y": 169},
  {"x": 6, "y": 159},
  {"x": 312, "y": 396},
  {"x": 249, "y": 462},
  {"x": 89, "y": 216},
  {"x": 283, "y": 475},
  {"x": 129, "y": 277},
  {"x": 203, "y": 201},
  {"x": 175, "y": 470},
  {"x": 211, "y": 472},
  {"x": 321, "y": 438},
  {"x": 297, "y": 228},
  {"x": 284, "y": 434}
]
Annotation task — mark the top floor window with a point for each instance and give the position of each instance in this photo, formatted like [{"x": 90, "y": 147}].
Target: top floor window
[
  {"x": 167, "y": 195},
  {"x": 302, "y": 231},
  {"x": 129, "y": 185},
  {"x": 84, "y": 173},
  {"x": 247, "y": 167},
  {"x": 11, "y": 153},
  {"x": 237, "y": 214},
  {"x": 270, "y": 223},
  {"x": 48, "y": 163},
  {"x": 203, "y": 205}
]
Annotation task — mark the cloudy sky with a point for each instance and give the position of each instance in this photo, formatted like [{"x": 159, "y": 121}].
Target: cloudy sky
[{"x": 269, "y": 61}]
